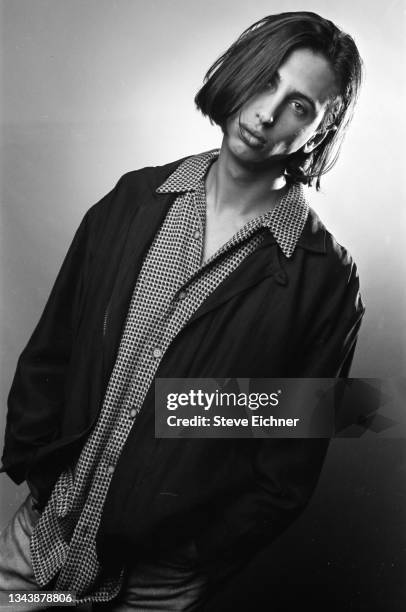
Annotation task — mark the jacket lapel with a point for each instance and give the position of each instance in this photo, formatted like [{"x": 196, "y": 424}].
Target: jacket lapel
[
  {"x": 143, "y": 227},
  {"x": 264, "y": 262}
]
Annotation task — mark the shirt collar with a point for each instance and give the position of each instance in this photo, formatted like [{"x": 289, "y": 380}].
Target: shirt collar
[
  {"x": 286, "y": 221},
  {"x": 189, "y": 173}
]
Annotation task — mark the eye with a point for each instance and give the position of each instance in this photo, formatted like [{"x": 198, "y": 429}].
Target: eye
[
  {"x": 298, "y": 108},
  {"x": 269, "y": 85}
]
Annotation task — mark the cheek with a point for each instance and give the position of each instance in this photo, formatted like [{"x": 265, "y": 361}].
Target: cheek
[
  {"x": 231, "y": 128},
  {"x": 300, "y": 138},
  {"x": 289, "y": 140},
  {"x": 293, "y": 131},
  {"x": 297, "y": 138}
]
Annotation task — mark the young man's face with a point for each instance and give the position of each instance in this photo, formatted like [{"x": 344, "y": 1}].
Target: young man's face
[{"x": 285, "y": 116}]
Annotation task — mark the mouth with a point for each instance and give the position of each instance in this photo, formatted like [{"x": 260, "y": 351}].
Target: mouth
[{"x": 251, "y": 137}]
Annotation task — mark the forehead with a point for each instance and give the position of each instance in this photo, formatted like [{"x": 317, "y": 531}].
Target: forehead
[{"x": 309, "y": 73}]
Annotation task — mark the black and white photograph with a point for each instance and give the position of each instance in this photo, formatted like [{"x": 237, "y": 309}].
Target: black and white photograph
[{"x": 203, "y": 203}]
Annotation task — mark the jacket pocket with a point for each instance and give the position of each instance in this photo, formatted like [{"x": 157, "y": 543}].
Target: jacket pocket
[{"x": 185, "y": 556}]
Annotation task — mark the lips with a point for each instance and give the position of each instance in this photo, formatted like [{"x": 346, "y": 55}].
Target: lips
[{"x": 251, "y": 137}]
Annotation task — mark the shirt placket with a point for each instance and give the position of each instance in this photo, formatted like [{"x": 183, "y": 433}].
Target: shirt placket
[{"x": 86, "y": 528}]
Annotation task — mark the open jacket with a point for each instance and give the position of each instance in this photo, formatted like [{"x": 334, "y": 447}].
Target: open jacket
[{"x": 272, "y": 317}]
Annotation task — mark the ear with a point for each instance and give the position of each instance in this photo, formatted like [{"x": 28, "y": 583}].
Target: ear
[{"x": 317, "y": 139}]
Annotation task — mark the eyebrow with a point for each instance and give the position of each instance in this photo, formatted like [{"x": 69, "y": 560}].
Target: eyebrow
[{"x": 298, "y": 94}]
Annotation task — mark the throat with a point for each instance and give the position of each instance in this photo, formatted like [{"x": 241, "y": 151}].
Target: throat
[
  {"x": 236, "y": 195},
  {"x": 248, "y": 193},
  {"x": 224, "y": 221}
]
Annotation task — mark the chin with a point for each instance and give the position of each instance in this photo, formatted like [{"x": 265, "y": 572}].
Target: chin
[{"x": 252, "y": 159}]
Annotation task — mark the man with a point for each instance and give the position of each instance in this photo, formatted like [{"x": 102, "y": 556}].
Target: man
[{"x": 212, "y": 267}]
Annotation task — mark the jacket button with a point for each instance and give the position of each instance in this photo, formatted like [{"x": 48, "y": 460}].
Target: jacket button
[
  {"x": 280, "y": 278},
  {"x": 157, "y": 352},
  {"x": 133, "y": 413}
]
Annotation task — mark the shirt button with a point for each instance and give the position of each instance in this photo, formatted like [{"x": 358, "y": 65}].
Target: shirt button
[
  {"x": 196, "y": 234},
  {"x": 157, "y": 352},
  {"x": 182, "y": 295},
  {"x": 110, "y": 469},
  {"x": 133, "y": 413}
]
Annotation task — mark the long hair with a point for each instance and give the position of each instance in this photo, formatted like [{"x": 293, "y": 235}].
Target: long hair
[{"x": 252, "y": 61}]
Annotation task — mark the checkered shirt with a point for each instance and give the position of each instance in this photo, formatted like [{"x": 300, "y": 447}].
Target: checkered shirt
[{"x": 171, "y": 286}]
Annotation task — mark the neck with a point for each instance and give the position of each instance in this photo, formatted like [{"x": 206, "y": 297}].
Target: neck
[{"x": 244, "y": 187}]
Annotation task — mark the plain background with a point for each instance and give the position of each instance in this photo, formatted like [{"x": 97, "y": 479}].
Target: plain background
[{"x": 94, "y": 88}]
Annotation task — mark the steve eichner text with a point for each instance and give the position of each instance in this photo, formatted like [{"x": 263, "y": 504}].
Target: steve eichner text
[{"x": 208, "y": 400}]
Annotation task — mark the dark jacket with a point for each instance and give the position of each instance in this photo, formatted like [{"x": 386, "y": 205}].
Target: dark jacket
[{"x": 272, "y": 317}]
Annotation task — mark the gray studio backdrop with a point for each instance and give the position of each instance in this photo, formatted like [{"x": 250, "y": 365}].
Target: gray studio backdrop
[{"x": 94, "y": 88}]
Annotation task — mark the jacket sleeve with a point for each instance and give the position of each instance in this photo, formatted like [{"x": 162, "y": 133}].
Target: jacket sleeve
[
  {"x": 286, "y": 471},
  {"x": 36, "y": 398},
  {"x": 330, "y": 351},
  {"x": 36, "y": 395}
]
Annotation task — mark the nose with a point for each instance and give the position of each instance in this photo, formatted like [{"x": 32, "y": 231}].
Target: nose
[
  {"x": 266, "y": 119},
  {"x": 267, "y": 107}
]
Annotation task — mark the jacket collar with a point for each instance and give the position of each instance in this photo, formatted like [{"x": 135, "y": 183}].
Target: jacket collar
[{"x": 288, "y": 222}]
